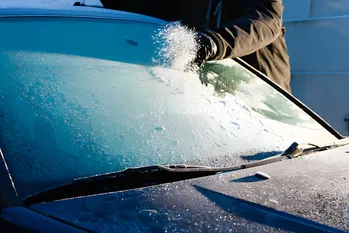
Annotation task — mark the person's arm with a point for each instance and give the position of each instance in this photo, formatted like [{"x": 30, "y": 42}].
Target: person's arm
[{"x": 259, "y": 27}]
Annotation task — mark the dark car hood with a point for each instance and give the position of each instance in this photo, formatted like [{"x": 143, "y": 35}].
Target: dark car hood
[{"x": 314, "y": 187}]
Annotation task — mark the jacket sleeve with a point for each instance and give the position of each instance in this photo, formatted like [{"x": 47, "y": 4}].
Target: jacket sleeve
[{"x": 257, "y": 28}]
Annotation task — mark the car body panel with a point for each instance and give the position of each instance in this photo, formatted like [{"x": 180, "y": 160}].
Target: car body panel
[
  {"x": 314, "y": 187},
  {"x": 78, "y": 12},
  {"x": 25, "y": 220}
]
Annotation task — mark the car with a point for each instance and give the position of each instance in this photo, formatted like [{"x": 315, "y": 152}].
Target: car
[{"x": 101, "y": 133}]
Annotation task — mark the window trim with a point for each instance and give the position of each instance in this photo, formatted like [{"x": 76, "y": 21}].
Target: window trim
[{"x": 290, "y": 97}]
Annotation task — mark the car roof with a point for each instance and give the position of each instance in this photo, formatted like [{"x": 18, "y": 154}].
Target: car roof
[{"x": 77, "y": 12}]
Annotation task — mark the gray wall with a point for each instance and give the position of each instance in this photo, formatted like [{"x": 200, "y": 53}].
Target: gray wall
[{"x": 318, "y": 44}]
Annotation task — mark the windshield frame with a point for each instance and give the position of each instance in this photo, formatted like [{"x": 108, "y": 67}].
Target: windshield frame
[{"x": 290, "y": 97}]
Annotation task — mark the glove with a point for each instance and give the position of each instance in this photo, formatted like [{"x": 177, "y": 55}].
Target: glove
[{"x": 207, "y": 49}]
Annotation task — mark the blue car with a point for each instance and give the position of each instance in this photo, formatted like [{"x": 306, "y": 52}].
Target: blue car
[{"x": 100, "y": 133}]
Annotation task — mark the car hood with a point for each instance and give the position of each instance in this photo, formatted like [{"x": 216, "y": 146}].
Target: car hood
[{"x": 299, "y": 195}]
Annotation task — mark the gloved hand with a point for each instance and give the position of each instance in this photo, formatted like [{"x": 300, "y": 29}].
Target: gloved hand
[{"x": 207, "y": 49}]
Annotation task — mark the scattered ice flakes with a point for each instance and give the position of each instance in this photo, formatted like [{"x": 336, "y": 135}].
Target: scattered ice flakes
[
  {"x": 148, "y": 211},
  {"x": 235, "y": 123},
  {"x": 176, "y": 46},
  {"x": 262, "y": 175},
  {"x": 273, "y": 201},
  {"x": 159, "y": 128},
  {"x": 175, "y": 142}
]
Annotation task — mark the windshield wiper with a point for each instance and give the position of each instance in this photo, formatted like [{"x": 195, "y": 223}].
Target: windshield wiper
[
  {"x": 132, "y": 178},
  {"x": 117, "y": 181}
]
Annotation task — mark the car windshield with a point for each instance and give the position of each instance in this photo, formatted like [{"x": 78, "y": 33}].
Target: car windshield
[{"x": 82, "y": 96}]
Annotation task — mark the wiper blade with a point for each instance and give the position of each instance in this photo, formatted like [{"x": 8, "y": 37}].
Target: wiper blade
[
  {"x": 132, "y": 178},
  {"x": 127, "y": 179}
]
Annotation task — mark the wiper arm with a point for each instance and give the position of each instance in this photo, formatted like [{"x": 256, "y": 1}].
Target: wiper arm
[
  {"x": 296, "y": 150},
  {"x": 132, "y": 178}
]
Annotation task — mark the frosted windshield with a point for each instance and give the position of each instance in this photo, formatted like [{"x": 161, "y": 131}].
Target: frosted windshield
[{"x": 80, "y": 97}]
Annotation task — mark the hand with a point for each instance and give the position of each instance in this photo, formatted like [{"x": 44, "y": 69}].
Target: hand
[{"x": 207, "y": 49}]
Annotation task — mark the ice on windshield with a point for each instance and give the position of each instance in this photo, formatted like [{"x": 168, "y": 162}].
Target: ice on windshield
[
  {"x": 175, "y": 47},
  {"x": 84, "y": 104}
]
